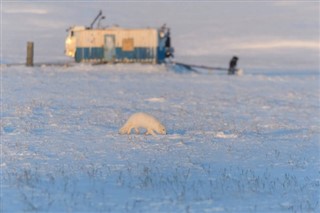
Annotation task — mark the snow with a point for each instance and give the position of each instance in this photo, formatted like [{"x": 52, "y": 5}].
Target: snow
[{"x": 245, "y": 143}]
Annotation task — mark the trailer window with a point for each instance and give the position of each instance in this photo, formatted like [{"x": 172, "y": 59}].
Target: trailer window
[{"x": 127, "y": 44}]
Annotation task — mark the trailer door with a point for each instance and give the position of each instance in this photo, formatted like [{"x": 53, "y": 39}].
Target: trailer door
[{"x": 109, "y": 47}]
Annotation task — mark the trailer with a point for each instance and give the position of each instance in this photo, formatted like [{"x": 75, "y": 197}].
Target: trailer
[{"x": 118, "y": 45}]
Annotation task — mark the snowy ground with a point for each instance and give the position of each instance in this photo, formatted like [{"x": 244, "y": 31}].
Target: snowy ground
[{"x": 235, "y": 143}]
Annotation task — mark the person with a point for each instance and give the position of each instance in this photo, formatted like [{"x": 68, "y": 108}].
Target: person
[
  {"x": 169, "y": 50},
  {"x": 232, "y": 66}
]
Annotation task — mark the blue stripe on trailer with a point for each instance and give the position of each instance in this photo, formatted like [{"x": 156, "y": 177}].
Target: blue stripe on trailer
[
  {"x": 88, "y": 53},
  {"x": 138, "y": 54}
]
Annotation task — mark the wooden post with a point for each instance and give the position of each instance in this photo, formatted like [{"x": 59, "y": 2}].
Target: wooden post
[{"x": 29, "y": 62}]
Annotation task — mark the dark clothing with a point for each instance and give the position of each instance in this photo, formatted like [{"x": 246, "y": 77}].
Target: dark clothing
[
  {"x": 168, "y": 42},
  {"x": 233, "y": 65},
  {"x": 168, "y": 47}
]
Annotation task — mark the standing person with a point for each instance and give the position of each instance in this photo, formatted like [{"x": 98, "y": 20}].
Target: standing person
[{"x": 232, "y": 66}]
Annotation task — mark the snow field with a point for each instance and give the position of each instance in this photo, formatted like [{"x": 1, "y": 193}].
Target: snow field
[{"x": 234, "y": 144}]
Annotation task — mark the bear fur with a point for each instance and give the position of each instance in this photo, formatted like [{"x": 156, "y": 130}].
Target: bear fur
[{"x": 143, "y": 120}]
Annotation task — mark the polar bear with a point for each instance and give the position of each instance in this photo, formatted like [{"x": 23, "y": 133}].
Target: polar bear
[{"x": 143, "y": 120}]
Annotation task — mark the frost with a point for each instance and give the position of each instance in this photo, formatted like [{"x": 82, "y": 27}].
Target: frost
[
  {"x": 233, "y": 144},
  {"x": 223, "y": 135}
]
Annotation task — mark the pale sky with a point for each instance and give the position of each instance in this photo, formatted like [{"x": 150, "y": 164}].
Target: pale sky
[{"x": 264, "y": 34}]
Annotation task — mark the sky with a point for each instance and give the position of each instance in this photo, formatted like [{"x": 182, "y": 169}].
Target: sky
[{"x": 263, "y": 34}]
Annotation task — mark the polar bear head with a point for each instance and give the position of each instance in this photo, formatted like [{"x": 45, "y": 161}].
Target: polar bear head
[{"x": 161, "y": 129}]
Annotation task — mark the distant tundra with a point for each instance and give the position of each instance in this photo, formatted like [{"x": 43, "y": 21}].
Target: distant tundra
[{"x": 143, "y": 120}]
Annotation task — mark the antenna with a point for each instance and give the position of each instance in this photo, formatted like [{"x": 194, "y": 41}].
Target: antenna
[
  {"x": 100, "y": 13},
  {"x": 102, "y": 17}
]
